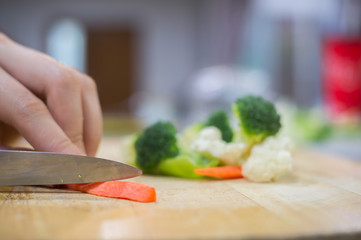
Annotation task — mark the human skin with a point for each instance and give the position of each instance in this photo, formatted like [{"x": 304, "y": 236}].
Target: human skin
[{"x": 53, "y": 106}]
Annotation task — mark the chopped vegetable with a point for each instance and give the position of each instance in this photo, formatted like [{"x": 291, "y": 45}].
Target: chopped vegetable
[
  {"x": 155, "y": 144},
  {"x": 157, "y": 151},
  {"x": 214, "y": 148},
  {"x": 209, "y": 143},
  {"x": 258, "y": 119},
  {"x": 118, "y": 189},
  {"x": 219, "y": 119},
  {"x": 224, "y": 172},
  {"x": 184, "y": 165},
  {"x": 269, "y": 160}
]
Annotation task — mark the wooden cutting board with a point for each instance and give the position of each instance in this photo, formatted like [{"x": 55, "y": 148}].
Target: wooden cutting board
[{"x": 320, "y": 198}]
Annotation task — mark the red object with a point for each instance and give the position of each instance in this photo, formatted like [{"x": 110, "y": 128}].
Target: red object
[
  {"x": 118, "y": 189},
  {"x": 342, "y": 77},
  {"x": 224, "y": 172}
]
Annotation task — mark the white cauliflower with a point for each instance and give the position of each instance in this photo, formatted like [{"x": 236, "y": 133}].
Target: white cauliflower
[
  {"x": 269, "y": 159},
  {"x": 209, "y": 141}
]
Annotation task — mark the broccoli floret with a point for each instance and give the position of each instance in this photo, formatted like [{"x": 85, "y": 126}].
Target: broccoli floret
[
  {"x": 158, "y": 151},
  {"x": 155, "y": 144},
  {"x": 258, "y": 118},
  {"x": 219, "y": 119}
]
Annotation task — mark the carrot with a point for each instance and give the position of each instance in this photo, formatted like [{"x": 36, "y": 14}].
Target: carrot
[
  {"x": 118, "y": 189},
  {"x": 224, "y": 172}
]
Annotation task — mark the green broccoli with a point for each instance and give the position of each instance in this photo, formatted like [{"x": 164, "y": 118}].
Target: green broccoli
[
  {"x": 184, "y": 164},
  {"x": 154, "y": 144},
  {"x": 219, "y": 119},
  {"x": 157, "y": 151},
  {"x": 258, "y": 119}
]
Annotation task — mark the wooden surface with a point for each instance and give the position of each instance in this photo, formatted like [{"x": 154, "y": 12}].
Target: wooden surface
[{"x": 322, "y": 197}]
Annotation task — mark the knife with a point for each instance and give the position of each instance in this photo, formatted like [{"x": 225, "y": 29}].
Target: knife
[{"x": 45, "y": 168}]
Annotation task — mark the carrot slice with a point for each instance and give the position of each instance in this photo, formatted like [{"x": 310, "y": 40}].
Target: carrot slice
[
  {"x": 118, "y": 189},
  {"x": 224, "y": 172}
]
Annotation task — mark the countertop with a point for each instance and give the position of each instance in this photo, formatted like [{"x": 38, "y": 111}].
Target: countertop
[{"x": 320, "y": 198}]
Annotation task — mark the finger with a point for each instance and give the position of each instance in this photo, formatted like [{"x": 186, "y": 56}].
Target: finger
[
  {"x": 29, "y": 115},
  {"x": 64, "y": 101},
  {"x": 93, "y": 122},
  {"x": 47, "y": 78}
]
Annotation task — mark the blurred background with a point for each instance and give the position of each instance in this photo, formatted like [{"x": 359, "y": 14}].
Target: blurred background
[{"x": 179, "y": 60}]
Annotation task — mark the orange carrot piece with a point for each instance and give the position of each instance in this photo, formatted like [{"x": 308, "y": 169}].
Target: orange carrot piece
[
  {"x": 118, "y": 189},
  {"x": 224, "y": 172}
]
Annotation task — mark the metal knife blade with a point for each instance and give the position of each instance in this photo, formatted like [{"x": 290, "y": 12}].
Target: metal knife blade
[{"x": 44, "y": 168}]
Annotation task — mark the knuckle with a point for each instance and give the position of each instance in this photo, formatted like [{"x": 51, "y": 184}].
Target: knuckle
[
  {"x": 64, "y": 79},
  {"x": 88, "y": 84},
  {"x": 76, "y": 138},
  {"x": 60, "y": 145},
  {"x": 30, "y": 108}
]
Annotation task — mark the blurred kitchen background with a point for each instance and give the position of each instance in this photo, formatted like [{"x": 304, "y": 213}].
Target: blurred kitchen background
[{"x": 179, "y": 60}]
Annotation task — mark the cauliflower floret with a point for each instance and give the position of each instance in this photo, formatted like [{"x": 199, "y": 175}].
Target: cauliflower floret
[
  {"x": 269, "y": 159},
  {"x": 209, "y": 141}
]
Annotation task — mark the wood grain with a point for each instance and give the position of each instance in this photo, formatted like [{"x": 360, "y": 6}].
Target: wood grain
[{"x": 321, "y": 197}]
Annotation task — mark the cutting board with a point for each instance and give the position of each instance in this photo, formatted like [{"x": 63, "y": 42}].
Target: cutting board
[{"x": 320, "y": 198}]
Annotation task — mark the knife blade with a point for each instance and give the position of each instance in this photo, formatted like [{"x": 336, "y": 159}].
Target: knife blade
[{"x": 45, "y": 168}]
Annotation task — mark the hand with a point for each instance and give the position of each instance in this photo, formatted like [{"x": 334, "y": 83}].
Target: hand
[{"x": 53, "y": 106}]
